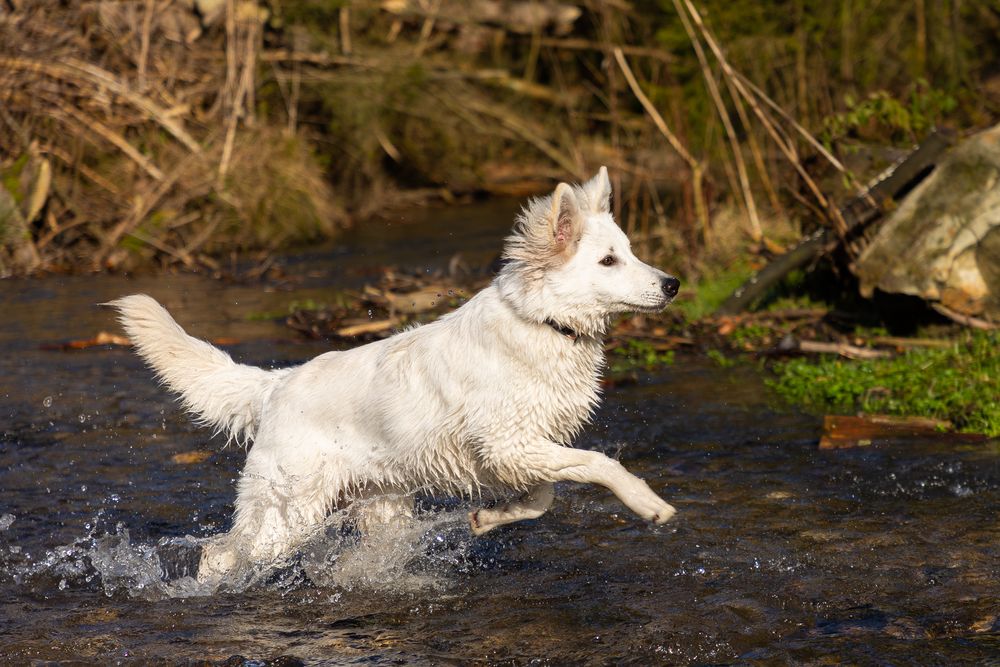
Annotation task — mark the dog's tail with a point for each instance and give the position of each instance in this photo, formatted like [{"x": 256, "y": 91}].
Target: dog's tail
[{"x": 220, "y": 392}]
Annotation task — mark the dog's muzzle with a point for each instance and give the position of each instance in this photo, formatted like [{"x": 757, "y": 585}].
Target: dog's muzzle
[{"x": 670, "y": 286}]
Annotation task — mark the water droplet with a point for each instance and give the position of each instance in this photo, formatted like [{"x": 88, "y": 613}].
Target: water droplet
[
  {"x": 83, "y": 488},
  {"x": 62, "y": 584},
  {"x": 81, "y": 418},
  {"x": 47, "y": 401}
]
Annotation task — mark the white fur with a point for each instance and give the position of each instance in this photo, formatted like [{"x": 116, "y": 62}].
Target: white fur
[{"x": 485, "y": 398}]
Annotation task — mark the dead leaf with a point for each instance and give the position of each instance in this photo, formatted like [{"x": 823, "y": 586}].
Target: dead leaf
[
  {"x": 187, "y": 458},
  {"x": 367, "y": 327}
]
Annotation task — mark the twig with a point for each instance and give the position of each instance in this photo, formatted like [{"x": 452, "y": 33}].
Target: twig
[
  {"x": 741, "y": 169},
  {"x": 344, "y": 20},
  {"x": 72, "y": 70},
  {"x": 843, "y": 349},
  {"x": 69, "y": 161},
  {"x": 896, "y": 341},
  {"x": 389, "y": 148},
  {"x": 235, "y": 113},
  {"x": 965, "y": 320},
  {"x": 226, "y": 95},
  {"x": 144, "y": 204},
  {"x": 832, "y": 213},
  {"x": 804, "y": 133},
  {"x": 202, "y": 236},
  {"x": 574, "y": 44},
  {"x": 319, "y": 59},
  {"x": 427, "y": 28},
  {"x": 147, "y": 26},
  {"x": 697, "y": 170},
  {"x": 293, "y": 113},
  {"x": 527, "y": 134},
  {"x": 658, "y": 120},
  {"x": 755, "y": 152},
  {"x": 84, "y": 124},
  {"x": 177, "y": 253}
]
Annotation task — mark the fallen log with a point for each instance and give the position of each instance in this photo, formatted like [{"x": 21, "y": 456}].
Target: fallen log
[
  {"x": 844, "y": 431},
  {"x": 858, "y": 213}
]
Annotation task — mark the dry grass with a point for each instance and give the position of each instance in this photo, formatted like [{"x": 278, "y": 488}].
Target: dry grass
[{"x": 146, "y": 118}]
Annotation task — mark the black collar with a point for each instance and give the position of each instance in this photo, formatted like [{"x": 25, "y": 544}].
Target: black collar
[{"x": 565, "y": 331}]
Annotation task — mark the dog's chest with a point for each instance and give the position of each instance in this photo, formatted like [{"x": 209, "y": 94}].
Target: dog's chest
[{"x": 559, "y": 392}]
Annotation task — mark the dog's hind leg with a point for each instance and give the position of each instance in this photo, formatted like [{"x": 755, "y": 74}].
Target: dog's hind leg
[
  {"x": 530, "y": 506},
  {"x": 273, "y": 517},
  {"x": 268, "y": 538},
  {"x": 379, "y": 512}
]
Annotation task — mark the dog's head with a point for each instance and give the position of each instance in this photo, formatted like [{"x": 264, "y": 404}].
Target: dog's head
[{"x": 569, "y": 263}]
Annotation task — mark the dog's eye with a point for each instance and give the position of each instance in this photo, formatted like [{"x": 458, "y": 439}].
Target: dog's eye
[{"x": 609, "y": 260}]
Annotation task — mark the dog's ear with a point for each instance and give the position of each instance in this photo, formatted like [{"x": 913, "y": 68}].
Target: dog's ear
[
  {"x": 598, "y": 191},
  {"x": 565, "y": 220}
]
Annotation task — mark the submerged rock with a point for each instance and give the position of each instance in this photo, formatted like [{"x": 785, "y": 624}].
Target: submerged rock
[{"x": 943, "y": 242}]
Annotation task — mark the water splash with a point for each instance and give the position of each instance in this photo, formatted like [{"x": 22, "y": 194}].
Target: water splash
[{"x": 413, "y": 555}]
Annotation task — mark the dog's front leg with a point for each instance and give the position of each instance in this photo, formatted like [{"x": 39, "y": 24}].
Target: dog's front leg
[
  {"x": 530, "y": 506},
  {"x": 555, "y": 463}
]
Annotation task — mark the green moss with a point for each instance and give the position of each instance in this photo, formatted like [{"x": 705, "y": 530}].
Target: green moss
[
  {"x": 721, "y": 359},
  {"x": 638, "y": 354},
  {"x": 708, "y": 294},
  {"x": 749, "y": 335},
  {"x": 960, "y": 384},
  {"x": 10, "y": 178}
]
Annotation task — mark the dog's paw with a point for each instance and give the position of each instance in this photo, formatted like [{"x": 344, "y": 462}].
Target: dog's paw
[
  {"x": 650, "y": 506},
  {"x": 477, "y": 525},
  {"x": 665, "y": 514}
]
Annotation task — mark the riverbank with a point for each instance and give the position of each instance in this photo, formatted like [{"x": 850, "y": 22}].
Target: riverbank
[{"x": 145, "y": 134}]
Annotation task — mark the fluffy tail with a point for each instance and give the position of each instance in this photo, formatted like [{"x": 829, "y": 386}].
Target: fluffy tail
[{"x": 222, "y": 393}]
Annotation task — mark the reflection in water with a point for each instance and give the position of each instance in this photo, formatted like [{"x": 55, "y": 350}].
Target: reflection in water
[{"x": 780, "y": 553}]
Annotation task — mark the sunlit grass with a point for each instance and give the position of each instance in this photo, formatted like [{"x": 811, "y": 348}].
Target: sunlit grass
[{"x": 960, "y": 384}]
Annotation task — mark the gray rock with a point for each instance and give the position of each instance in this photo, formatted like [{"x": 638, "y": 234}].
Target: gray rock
[{"x": 943, "y": 242}]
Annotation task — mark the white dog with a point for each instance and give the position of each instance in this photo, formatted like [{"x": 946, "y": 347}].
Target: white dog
[{"x": 485, "y": 398}]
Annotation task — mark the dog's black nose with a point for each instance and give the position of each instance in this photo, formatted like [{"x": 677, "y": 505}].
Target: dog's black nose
[{"x": 670, "y": 286}]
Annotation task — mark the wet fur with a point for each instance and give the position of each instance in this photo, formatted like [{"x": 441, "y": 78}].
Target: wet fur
[{"x": 487, "y": 397}]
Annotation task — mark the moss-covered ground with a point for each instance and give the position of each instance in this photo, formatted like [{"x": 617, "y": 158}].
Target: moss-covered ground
[{"x": 960, "y": 384}]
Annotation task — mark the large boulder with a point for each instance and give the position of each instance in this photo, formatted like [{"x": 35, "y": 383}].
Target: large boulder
[{"x": 943, "y": 242}]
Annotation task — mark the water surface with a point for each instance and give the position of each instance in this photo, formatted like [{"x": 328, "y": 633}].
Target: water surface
[{"x": 780, "y": 553}]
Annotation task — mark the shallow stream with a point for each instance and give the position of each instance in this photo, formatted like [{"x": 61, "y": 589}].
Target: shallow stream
[{"x": 780, "y": 553}]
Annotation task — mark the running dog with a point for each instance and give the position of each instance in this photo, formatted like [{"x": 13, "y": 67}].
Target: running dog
[{"x": 486, "y": 398}]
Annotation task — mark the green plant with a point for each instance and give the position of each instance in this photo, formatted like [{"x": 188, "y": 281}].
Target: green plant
[
  {"x": 637, "y": 354},
  {"x": 960, "y": 384},
  {"x": 882, "y": 115},
  {"x": 720, "y": 359},
  {"x": 708, "y": 294}
]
